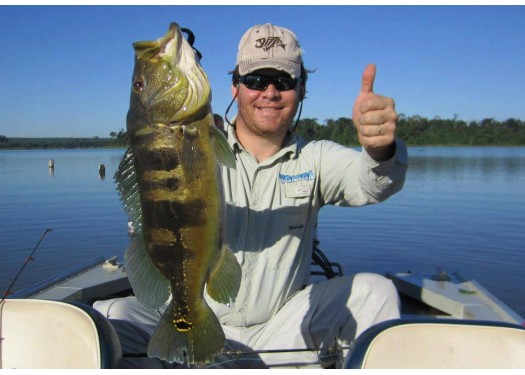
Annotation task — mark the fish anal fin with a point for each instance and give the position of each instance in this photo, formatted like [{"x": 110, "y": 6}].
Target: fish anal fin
[
  {"x": 150, "y": 286},
  {"x": 225, "y": 278}
]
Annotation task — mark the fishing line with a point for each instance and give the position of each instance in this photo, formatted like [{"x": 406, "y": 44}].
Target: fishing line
[{"x": 29, "y": 259}]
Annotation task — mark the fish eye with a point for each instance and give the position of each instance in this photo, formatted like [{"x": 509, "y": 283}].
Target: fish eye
[{"x": 138, "y": 85}]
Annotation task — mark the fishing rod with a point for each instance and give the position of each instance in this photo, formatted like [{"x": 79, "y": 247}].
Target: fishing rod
[
  {"x": 29, "y": 259},
  {"x": 236, "y": 354}
]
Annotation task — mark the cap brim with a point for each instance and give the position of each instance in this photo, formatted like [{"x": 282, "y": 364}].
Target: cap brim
[{"x": 291, "y": 67}]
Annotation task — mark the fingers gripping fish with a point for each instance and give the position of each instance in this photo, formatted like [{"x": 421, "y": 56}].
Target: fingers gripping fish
[{"x": 169, "y": 182}]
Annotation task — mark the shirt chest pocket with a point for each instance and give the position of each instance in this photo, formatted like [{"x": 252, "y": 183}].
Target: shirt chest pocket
[{"x": 299, "y": 189}]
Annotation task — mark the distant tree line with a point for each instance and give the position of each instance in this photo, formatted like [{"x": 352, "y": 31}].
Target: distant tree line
[
  {"x": 414, "y": 130},
  {"x": 119, "y": 138},
  {"x": 419, "y": 131},
  {"x": 116, "y": 139}
]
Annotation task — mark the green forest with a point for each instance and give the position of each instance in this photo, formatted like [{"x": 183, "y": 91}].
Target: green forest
[
  {"x": 419, "y": 131},
  {"x": 414, "y": 130}
]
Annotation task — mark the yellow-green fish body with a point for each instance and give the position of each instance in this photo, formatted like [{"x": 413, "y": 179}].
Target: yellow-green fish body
[{"x": 170, "y": 185}]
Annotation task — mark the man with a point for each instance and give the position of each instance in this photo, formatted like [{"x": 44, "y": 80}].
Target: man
[{"x": 272, "y": 200}]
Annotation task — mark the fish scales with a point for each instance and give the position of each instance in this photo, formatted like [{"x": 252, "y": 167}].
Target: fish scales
[{"x": 173, "y": 169}]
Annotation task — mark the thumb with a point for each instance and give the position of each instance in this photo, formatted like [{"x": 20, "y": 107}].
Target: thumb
[
  {"x": 367, "y": 88},
  {"x": 367, "y": 83}
]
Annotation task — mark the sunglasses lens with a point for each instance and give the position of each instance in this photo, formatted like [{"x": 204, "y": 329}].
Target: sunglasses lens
[
  {"x": 261, "y": 83},
  {"x": 255, "y": 82},
  {"x": 284, "y": 83}
]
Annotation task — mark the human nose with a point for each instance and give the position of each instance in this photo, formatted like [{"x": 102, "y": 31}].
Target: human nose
[{"x": 271, "y": 91}]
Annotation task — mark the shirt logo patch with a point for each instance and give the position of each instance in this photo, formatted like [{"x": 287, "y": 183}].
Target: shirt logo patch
[{"x": 306, "y": 176}]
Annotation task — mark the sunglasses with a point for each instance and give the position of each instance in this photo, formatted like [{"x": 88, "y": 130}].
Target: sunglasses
[{"x": 260, "y": 83}]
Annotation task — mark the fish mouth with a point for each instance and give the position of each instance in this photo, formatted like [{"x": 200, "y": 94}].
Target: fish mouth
[
  {"x": 166, "y": 47},
  {"x": 187, "y": 75}
]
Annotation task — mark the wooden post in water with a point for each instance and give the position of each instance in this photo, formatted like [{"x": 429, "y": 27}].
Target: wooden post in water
[
  {"x": 51, "y": 165},
  {"x": 102, "y": 171}
]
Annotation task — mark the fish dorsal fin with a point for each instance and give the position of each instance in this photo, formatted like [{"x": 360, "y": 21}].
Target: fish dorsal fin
[
  {"x": 225, "y": 277},
  {"x": 222, "y": 149},
  {"x": 127, "y": 186}
]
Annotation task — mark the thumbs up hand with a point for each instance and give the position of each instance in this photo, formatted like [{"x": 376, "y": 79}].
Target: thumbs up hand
[{"x": 375, "y": 118}]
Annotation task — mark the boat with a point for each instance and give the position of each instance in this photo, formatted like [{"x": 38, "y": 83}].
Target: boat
[{"x": 448, "y": 320}]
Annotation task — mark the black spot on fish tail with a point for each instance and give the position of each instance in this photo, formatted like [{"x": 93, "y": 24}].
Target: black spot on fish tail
[{"x": 183, "y": 325}]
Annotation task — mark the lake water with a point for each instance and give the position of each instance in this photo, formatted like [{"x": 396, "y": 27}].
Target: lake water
[{"x": 461, "y": 208}]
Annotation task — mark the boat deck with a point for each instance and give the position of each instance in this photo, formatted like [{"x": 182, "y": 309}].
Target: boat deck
[{"x": 444, "y": 295}]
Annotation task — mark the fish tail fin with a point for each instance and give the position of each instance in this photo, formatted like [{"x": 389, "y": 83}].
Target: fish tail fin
[
  {"x": 206, "y": 339},
  {"x": 225, "y": 278},
  {"x": 167, "y": 343},
  {"x": 200, "y": 344}
]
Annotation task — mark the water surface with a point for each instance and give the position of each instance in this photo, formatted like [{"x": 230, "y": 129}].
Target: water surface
[{"x": 461, "y": 208}]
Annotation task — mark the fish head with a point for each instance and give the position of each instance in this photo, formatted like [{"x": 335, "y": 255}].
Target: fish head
[{"x": 169, "y": 86}]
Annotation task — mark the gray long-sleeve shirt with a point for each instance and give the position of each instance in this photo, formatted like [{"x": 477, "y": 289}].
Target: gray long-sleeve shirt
[{"x": 271, "y": 214}]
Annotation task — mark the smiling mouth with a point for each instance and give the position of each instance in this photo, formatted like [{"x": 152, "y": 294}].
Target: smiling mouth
[{"x": 269, "y": 109}]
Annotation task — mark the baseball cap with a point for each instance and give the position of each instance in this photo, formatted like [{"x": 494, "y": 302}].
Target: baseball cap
[{"x": 269, "y": 46}]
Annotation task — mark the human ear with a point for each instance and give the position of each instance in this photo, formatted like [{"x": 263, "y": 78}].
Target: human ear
[{"x": 235, "y": 90}]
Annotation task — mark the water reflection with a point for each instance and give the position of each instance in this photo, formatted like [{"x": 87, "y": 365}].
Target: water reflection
[{"x": 460, "y": 165}]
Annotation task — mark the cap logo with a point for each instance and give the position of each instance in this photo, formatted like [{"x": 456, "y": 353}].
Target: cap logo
[{"x": 270, "y": 42}]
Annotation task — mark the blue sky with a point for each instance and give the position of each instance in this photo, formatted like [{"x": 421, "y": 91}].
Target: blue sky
[{"x": 65, "y": 71}]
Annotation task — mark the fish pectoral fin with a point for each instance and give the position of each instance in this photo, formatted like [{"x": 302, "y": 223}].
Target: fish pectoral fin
[
  {"x": 225, "y": 278},
  {"x": 190, "y": 161},
  {"x": 150, "y": 286},
  {"x": 198, "y": 345},
  {"x": 222, "y": 149}
]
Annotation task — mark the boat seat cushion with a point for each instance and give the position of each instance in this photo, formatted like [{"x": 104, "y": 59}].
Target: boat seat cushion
[
  {"x": 439, "y": 343},
  {"x": 51, "y": 334}
]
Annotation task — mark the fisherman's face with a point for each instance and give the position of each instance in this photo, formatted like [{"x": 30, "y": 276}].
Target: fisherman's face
[{"x": 268, "y": 112}]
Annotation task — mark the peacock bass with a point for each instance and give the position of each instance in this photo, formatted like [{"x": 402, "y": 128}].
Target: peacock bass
[{"x": 169, "y": 182}]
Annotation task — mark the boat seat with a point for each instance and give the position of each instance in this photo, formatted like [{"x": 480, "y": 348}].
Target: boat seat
[
  {"x": 439, "y": 343},
  {"x": 51, "y": 334}
]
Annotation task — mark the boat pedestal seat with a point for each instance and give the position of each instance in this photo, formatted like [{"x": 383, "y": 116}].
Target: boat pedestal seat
[
  {"x": 51, "y": 334},
  {"x": 439, "y": 343}
]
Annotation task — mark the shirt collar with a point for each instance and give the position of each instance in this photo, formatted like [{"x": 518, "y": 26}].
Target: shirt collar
[{"x": 289, "y": 146}]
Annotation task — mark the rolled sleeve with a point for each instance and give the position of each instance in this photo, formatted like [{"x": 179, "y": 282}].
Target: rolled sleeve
[
  {"x": 352, "y": 178},
  {"x": 383, "y": 179}
]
